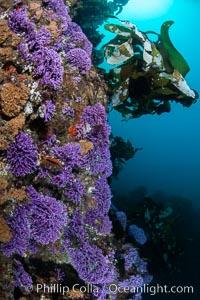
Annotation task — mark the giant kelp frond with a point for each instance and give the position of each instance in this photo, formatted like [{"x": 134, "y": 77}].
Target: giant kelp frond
[
  {"x": 176, "y": 60},
  {"x": 147, "y": 74}
]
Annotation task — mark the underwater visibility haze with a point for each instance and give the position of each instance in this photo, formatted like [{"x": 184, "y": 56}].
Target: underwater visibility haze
[
  {"x": 169, "y": 161},
  {"x": 166, "y": 171}
]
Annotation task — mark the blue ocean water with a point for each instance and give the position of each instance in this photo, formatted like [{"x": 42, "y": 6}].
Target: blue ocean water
[{"x": 170, "y": 159}]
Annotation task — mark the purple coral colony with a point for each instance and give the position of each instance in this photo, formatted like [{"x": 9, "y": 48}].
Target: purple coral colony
[{"x": 55, "y": 162}]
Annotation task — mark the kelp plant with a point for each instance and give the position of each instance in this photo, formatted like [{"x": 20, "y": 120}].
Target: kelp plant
[
  {"x": 121, "y": 151},
  {"x": 147, "y": 74},
  {"x": 90, "y": 15}
]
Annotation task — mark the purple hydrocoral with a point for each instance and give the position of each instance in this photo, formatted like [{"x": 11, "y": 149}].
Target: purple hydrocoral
[
  {"x": 99, "y": 136},
  {"x": 75, "y": 232},
  {"x": 24, "y": 52},
  {"x": 42, "y": 221},
  {"x": 22, "y": 155},
  {"x": 47, "y": 110},
  {"x": 138, "y": 297},
  {"x": 130, "y": 258},
  {"x": 97, "y": 159},
  {"x": 77, "y": 39},
  {"x": 90, "y": 264},
  {"x": 68, "y": 111},
  {"x": 69, "y": 154},
  {"x": 17, "y": 2},
  {"x": 61, "y": 11},
  {"x": 122, "y": 218},
  {"x": 94, "y": 115},
  {"x": 135, "y": 281},
  {"x": 79, "y": 59},
  {"x": 101, "y": 291},
  {"x": 22, "y": 278},
  {"x": 59, "y": 275},
  {"x": 19, "y": 225},
  {"x": 106, "y": 225},
  {"x": 141, "y": 265},
  {"x": 69, "y": 181},
  {"x": 18, "y": 21},
  {"x": 48, "y": 217},
  {"x": 35, "y": 49},
  {"x": 76, "y": 79},
  {"x": 49, "y": 67},
  {"x": 74, "y": 189},
  {"x": 100, "y": 222},
  {"x": 35, "y": 40},
  {"x": 64, "y": 178},
  {"x": 137, "y": 233},
  {"x": 147, "y": 278},
  {"x": 102, "y": 195},
  {"x": 50, "y": 141},
  {"x": 97, "y": 216}
]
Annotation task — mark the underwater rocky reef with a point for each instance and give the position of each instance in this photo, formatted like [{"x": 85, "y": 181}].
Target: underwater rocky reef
[
  {"x": 55, "y": 230},
  {"x": 61, "y": 236}
]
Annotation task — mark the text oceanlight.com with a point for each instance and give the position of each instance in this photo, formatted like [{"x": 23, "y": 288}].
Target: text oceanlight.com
[{"x": 114, "y": 289}]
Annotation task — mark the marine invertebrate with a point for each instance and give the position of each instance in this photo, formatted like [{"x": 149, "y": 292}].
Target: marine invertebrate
[
  {"x": 68, "y": 111},
  {"x": 98, "y": 221},
  {"x": 137, "y": 233},
  {"x": 94, "y": 115},
  {"x": 48, "y": 217},
  {"x": 60, "y": 11},
  {"x": 22, "y": 278},
  {"x": 75, "y": 232},
  {"x": 102, "y": 195},
  {"x": 74, "y": 189},
  {"x": 59, "y": 275},
  {"x": 9, "y": 131},
  {"x": 130, "y": 258},
  {"x": 49, "y": 67},
  {"x": 77, "y": 39},
  {"x": 91, "y": 264},
  {"x": 134, "y": 281},
  {"x": 79, "y": 59},
  {"x": 69, "y": 154},
  {"x": 22, "y": 155},
  {"x": 20, "y": 231},
  {"x": 86, "y": 146},
  {"x": 57, "y": 167},
  {"x": 48, "y": 63},
  {"x": 41, "y": 221},
  {"x": 47, "y": 110},
  {"x": 37, "y": 39},
  {"x": 18, "y": 20},
  {"x": 5, "y": 233},
  {"x": 68, "y": 178},
  {"x": 6, "y": 34},
  {"x": 12, "y": 194},
  {"x": 122, "y": 218},
  {"x": 98, "y": 158},
  {"x": 97, "y": 216},
  {"x": 133, "y": 262},
  {"x": 13, "y": 98}
]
